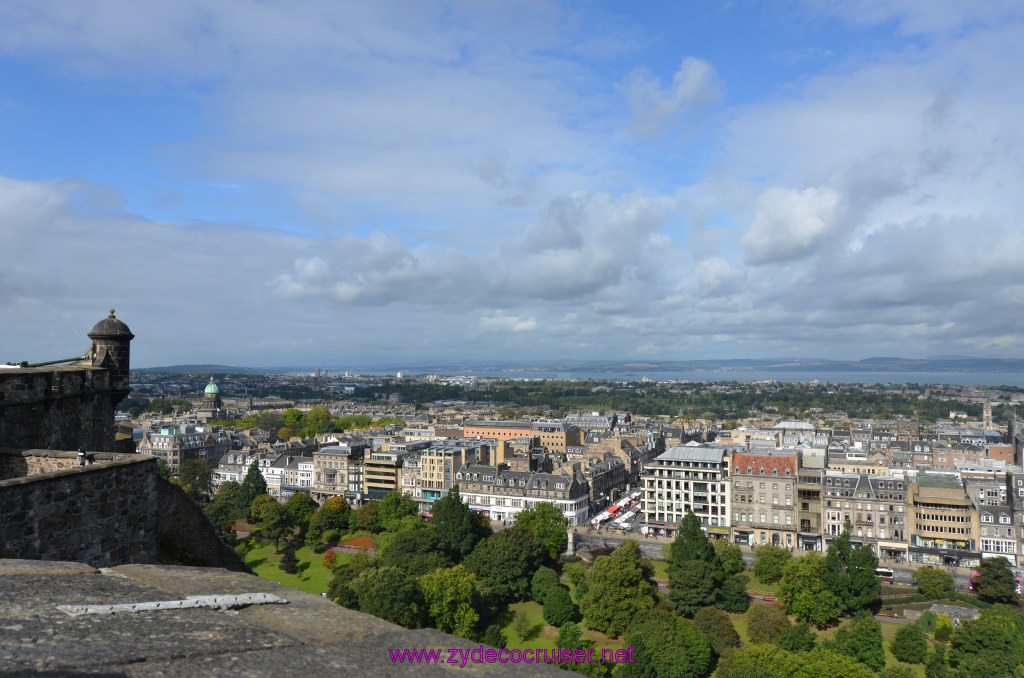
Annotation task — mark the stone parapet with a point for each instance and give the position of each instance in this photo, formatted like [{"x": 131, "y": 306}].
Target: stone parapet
[{"x": 104, "y": 513}]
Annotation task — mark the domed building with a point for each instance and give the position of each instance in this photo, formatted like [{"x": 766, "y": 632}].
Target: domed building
[{"x": 213, "y": 407}]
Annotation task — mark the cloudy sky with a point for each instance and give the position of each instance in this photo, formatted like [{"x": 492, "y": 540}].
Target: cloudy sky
[{"x": 271, "y": 182}]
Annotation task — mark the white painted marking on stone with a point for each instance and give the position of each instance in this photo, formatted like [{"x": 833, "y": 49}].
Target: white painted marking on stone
[{"x": 221, "y": 602}]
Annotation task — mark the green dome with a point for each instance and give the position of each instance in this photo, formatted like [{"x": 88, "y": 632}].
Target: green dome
[{"x": 212, "y": 387}]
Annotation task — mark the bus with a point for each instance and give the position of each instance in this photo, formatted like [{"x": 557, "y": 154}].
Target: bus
[{"x": 885, "y": 574}]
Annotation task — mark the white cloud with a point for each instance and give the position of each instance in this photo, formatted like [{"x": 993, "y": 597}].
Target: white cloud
[
  {"x": 790, "y": 224},
  {"x": 499, "y": 322},
  {"x": 695, "y": 87}
]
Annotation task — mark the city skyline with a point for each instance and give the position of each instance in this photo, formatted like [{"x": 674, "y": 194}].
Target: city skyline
[{"x": 268, "y": 183}]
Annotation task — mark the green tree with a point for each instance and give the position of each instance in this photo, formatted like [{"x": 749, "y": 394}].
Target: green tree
[
  {"x": 937, "y": 667},
  {"x": 733, "y": 596},
  {"x": 253, "y": 485},
  {"x": 494, "y": 637},
  {"x": 769, "y": 562},
  {"x": 559, "y": 608},
  {"x": 691, "y": 544},
  {"x": 718, "y": 629},
  {"x": 862, "y": 641},
  {"x": 693, "y": 585},
  {"x": 932, "y": 582},
  {"x": 821, "y": 663},
  {"x": 162, "y": 469},
  {"x": 259, "y": 506},
  {"x": 317, "y": 420},
  {"x": 996, "y": 583},
  {"x": 543, "y": 581},
  {"x": 505, "y": 561},
  {"x": 450, "y": 595},
  {"x": 414, "y": 551},
  {"x": 300, "y": 508},
  {"x": 897, "y": 671},
  {"x": 275, "y": 523},
  {"x": 289, "y": 563},
  {"x": 850, "y": 573},
  {"x": 798, "y": 638},
  {"x": 458, "y": 529},
  {"x": 291, "y": 418},
  {"x": 223, "y": 510},
  {"x": 387, "y": 592},
  {"x": 909, "y": 645},
  {"x": 285, "y": 433},
  {"x": 195, "y": 476},
  {"x": 666, "y": 646},
  {"x": 617, "y": 590},
  {"x": 730, "y": 555},
  {"x": 333, "y": 515},
  {"x": 548, "y": 524},
  {"x": 368, "y": 517},
  {"x": 766, "y": 623},
  {"x": 393, "y": 507},
  {"x": 756, "y": 660},
  {"x": 995, "y": 638},
  {"x": 806, "y": 593}
]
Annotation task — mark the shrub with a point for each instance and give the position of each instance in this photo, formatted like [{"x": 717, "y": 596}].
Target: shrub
[
  {"x": 332, "y": 536},
  {"x": 330, "y": 560},
  {"x": 943, "y": 628}
]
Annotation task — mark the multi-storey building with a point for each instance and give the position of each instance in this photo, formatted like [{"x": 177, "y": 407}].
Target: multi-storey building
[
  {"x": 942, "y": 523},
  {"x": 551, "y": 434},
  {"x": 440, "y": 461},
  {"x": 501, "y": 493},
  {"x": 337, "y": 471},
  {"x": 809, "y": 484},
  {"x": 875, "y": 507},
  {"x": 176, "y": 444},
  {"x": 993, "y": 499},
  {"x": 764, "y": 498},
  {"x": 687, "y": 478}
]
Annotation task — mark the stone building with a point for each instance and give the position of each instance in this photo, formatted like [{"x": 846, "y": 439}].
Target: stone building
[
  {"x": 874, "y": 505},
  {"x": 764, "y": 498},
  {"x": 176, "y": 445},
  {"x": 338, "y": 471},
  {"x": 502, "y": 493},
  {"x": 212, "y": 406}
]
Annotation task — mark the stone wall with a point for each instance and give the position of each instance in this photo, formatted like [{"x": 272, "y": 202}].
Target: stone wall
[
  {"x": 57, "y": 408},
  {"x": 105, "y": 513}
]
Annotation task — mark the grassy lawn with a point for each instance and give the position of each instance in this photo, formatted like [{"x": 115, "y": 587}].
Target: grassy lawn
[
  {"x": 756, "y": 584},
  {"x": 542, "y": 635},
  {"x": 888, "y": 631},
  {"x": 660, "y": 569},
  {"x": 312, "y": 576}
]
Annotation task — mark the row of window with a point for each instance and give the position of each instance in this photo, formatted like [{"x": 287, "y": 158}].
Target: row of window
[{"x": 740, "y": 517}]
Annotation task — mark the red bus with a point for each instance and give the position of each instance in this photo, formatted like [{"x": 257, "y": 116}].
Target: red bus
[{"x": 885, "y": 574}]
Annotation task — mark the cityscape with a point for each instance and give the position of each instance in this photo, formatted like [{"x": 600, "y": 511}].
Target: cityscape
[{"x": 652, "y": 340}]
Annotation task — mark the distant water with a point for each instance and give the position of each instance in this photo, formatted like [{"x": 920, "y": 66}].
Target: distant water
[{"x": 792, "y": 376}]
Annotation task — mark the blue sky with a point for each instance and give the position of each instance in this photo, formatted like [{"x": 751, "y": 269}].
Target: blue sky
[{"x": 269, "y": 183}]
